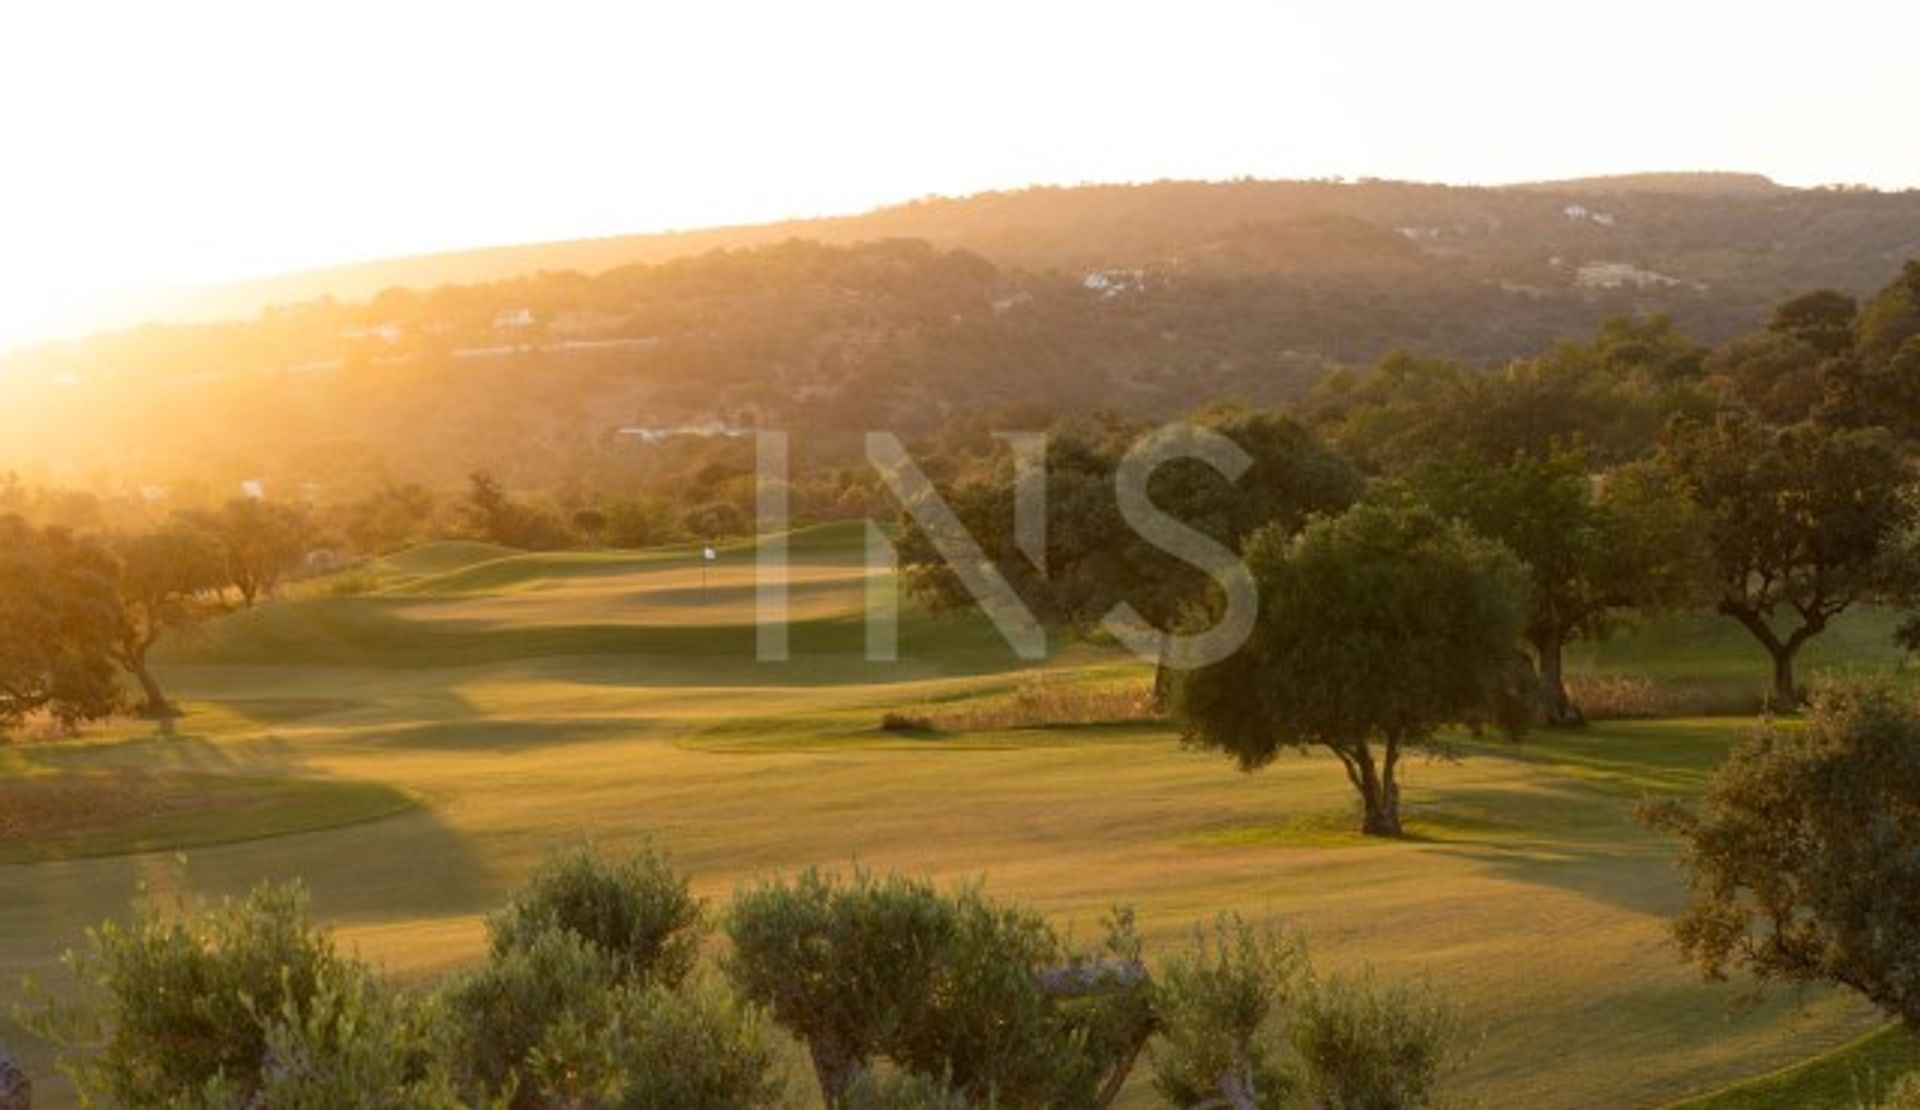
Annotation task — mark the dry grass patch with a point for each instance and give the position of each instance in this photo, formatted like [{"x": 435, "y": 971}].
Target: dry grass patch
[{"x": 1046, "y": 702}]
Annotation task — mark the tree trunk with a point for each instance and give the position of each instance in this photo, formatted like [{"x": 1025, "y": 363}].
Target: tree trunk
[
  {"x": 1556, "y": 708},
  {"x": 16, "y": 1090},
  {"x": 1379, "y": 794},
  {"x": 156, "y": 704},
  {"x": 1785, "y": 695},
  {"x": 837, "y": 1068},
  {"x": 1163, "y": 674}
]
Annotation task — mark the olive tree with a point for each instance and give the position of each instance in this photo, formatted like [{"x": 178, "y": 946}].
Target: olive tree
[
  {"x": 1376, "y": 629},
  {"x": 981, "y": 995}
]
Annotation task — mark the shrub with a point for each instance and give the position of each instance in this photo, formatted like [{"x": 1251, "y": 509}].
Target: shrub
[
  {"x": 1223, "y": 1014},
  {"x": 664, "y": 1050},
  {"x": 494, "y": 1020},
  {"x": 939, "y": 984},
  {"x": 903, "y": 722},
  {"x": 227, "y": 1004},
  {"x": 637, "y": 912},
  {"x": 355, "y": 1044},
  {"x": 1366, "y": 1048}
]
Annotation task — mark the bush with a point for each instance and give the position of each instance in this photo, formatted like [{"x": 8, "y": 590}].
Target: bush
[
  {"x": 355, "y": 1045},
  {"x": 495, "y": 1020},
  {"x": 227, "y": 1005},
  {"x": 1367, "y": 1048},
  {"x": 663, "y": 1050},
  {"x": 903, "y": 722},
  {"x": 637, "y": 912},
  {"x": 939, "y": 984},
  {"x": 1223, "y": 1014}
]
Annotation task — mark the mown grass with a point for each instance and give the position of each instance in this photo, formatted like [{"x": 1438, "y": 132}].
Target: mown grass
[
  {"x": 1856, "y": 1074},
  {"x": 1529, "y": 894},
  {"x": 79, "y": 815}
]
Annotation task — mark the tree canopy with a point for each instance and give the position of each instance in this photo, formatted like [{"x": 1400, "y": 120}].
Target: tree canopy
[{"x": 1376, "y": 629}]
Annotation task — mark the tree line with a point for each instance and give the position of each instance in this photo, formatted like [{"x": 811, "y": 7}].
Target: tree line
[{"x": 1427, "y": 540}]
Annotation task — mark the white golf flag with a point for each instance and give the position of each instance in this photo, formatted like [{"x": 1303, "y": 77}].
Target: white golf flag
[{"x": 709, "y": 554}]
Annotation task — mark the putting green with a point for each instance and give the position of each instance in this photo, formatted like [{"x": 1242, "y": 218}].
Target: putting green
[{"x": 1530, "y": 896}]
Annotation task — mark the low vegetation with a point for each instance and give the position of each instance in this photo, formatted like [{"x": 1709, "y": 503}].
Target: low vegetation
[{"x": 590, "y": 998}]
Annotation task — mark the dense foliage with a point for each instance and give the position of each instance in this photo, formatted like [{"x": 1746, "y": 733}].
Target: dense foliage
[
  {"x": 1376, "y": 628},
  {"x": 1801, "y": 858}
]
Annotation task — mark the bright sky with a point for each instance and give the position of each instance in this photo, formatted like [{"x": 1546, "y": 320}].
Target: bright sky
[{"x": 151, "y": 145}]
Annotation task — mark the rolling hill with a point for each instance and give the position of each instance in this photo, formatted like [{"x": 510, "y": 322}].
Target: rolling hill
[{"x": 1145, "y": 300}]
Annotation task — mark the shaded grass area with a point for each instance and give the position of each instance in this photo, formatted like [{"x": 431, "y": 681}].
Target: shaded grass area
[
  {"x": 76, "y": 815},
  {"x": 1855, "y": 1074}
]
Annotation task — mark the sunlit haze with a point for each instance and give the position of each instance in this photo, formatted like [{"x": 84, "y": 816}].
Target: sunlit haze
[{"x": 150, "y": 146}]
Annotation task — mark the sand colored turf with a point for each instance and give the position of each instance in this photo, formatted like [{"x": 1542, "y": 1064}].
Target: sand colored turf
[{"x": 1528, "y": 894}]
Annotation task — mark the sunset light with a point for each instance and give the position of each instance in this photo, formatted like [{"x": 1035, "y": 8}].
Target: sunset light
[{"x": 930, "y": 556}]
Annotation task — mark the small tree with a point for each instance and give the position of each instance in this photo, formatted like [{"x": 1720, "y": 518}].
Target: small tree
[
  {"x": 165, "y": 578},
  {"x": 1376, "y": 629},
  {"x": 1801, "y": 861}
]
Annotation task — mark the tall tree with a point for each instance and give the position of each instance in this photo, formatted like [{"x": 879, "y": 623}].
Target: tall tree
[
  {"x": 1802, "y": 522},
  {"x": 1594, "y": 547},
  {"x": 168, "y": 578},
  {"x": 1376, "y": 629}
]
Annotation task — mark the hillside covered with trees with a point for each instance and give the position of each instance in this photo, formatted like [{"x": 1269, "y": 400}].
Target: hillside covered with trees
[{"x": 556, "y": 365}]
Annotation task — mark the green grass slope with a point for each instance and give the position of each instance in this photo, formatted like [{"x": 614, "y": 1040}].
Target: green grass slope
[{"x": 611, "y": 695}]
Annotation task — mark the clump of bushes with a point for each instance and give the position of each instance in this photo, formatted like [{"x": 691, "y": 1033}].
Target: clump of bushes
[
  {"x": 901, "y": 993},
  {"x": 948, "y": 984}
]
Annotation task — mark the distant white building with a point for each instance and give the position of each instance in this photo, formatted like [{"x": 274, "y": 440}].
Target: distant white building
[
  {"x": 253, "y": 489},
  {"x": 514, "y": 318}
]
